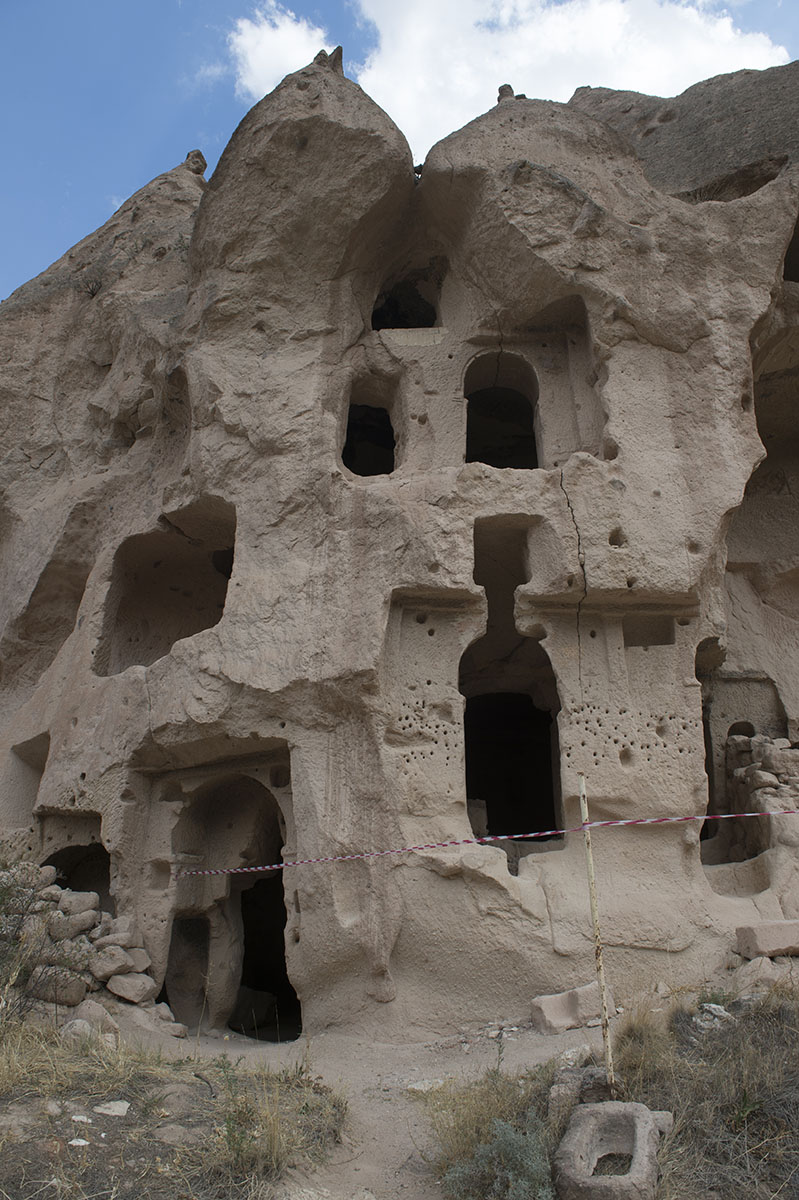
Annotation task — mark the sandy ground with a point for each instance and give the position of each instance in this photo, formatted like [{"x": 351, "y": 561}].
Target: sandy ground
[{"x": 387, "y": 1139}]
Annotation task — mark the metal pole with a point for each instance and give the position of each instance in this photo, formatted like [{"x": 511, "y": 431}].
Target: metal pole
[{"x": 600, "y": 967}]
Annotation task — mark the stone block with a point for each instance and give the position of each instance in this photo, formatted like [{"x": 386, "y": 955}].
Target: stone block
[
  {"x": 110, "y": 960},
  {"x": 140, "y": 958},
  {"x": 596, "y": 1130},
  {"x": 58, "y": 985},
  {"x": 103, "y": 927},
  {"x": 768, "y": 939},
  {"x": 47, "y": 877},
  {"x": 568, "y": 1010},
  {"x": 61, "y": 925},
  {"x": 76, "y": 1030},
  {"x": 97, "y": 1016},
  {"x": 757, "y": 975},
  {"x": 69, "y": 952},
  {"x": 121, "y": 932},
  {"x": 760, "y": 779},
  {"x": 78, "y": 902},
  {"x": 135, "y": 988}
]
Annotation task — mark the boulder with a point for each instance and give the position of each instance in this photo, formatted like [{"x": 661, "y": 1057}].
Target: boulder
[
  {"x": 768, "y": 939},
  {"x": 97, "y": 1016},
  {"x": 58, "y": 985},
  {"x": 72, "y": 903},
  {"x": 140, "y": 958},
  {"x": 568, "y": 1010},
  {"x": 61, "y": 925},
  {"x": 110, "y": 960},
  {"x": 76, "y": 1030},
  {"x": 135, "y": 988}
]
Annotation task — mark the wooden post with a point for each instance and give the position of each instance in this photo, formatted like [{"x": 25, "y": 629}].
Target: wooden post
[{"x": 600, "y": 967}]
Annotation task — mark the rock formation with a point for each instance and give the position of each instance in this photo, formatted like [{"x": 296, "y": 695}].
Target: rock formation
[{"x": 344, "y": 510}]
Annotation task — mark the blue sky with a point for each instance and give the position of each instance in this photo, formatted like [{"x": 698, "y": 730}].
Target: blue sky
[{"x": 99, "y": 96}]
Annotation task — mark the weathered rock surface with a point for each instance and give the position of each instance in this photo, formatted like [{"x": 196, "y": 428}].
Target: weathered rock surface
[
  {"x": 58, "y": 985},
  {"x": 568, "y": 1010},
  {"x": 134, "y": 988},
  {"x": 769, "y": 939},
  {"x": 299, "y": 464}
]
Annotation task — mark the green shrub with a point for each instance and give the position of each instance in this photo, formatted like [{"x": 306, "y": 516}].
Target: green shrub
[{"x": 513, "y": 1165}]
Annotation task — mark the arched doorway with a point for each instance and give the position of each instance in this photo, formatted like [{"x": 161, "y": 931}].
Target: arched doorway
[{"x": 227, "y": 954}]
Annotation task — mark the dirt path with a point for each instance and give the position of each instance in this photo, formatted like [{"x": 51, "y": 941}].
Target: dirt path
[{"x": 383, "y": 1155}]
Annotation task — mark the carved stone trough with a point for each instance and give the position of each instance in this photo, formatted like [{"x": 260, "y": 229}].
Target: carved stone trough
[{"x": 628, "y": 1132}]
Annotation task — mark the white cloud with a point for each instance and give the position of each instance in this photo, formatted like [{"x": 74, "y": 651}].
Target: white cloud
[
  {"x": 437, "y": 64},
  {"x": 268, "y": 46}
]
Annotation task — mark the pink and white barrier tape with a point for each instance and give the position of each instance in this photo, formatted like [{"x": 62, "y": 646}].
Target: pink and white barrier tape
[{"x": 480, "y": 841}]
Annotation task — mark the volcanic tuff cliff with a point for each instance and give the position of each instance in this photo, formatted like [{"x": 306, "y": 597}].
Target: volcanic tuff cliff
[{"x": 343, "y": 510}]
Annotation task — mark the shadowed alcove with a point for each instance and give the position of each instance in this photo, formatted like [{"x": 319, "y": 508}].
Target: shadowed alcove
[
  {"x": 510, "y": 731},
  {"x": 406, "y": 304},
  {"x": 166, "y": 585},
  {"x": 370, "y": 441},
  {"x": 501, "y": 391},
  {"x": 227, "y": 956}
]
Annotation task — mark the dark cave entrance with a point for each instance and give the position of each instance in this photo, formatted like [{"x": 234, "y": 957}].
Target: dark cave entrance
[
  {"x": 267, "y": 1008},
  {"x": 509, "y": 762},
  {"x": 404, "y": 307},
  {"x": 370, "y": 442},
  {"x": 85, "y": 869},
  {"x": 499, "y": 429}
]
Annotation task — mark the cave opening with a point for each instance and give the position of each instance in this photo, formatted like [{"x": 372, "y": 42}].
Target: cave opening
[
  {"x": 509, "y": 762},
  {"x": 267, "y": 1008},
  {"x": 84, "y": 868},
  {"x": 510, "y": 732},
  {"x": 404, "y": 306},
  {"x": 370, "y": 443},
  {"x": 501, "y": 391}
]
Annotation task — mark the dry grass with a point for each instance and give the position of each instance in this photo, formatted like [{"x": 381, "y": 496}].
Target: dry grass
[
  {"x": 492, "y": 1135},
  {"x": 243, "y": 1128},
  {"x": 734, "y": 1092}
]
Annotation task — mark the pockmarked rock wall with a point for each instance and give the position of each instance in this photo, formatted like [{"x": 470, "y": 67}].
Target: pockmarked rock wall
[{"x": 347, "y": 506}]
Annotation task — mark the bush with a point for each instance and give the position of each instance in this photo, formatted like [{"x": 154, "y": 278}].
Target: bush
[
  {"x": 514, "y": 1165},
  {"x": 494, "y": 1140},
  {"x": 22, "y": 936}
]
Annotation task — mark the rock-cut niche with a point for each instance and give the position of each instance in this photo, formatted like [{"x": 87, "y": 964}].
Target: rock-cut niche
[
  {"x": 510, "y": 731},
  {"x": 227, "y": 955},
  {"x": 409, "y": 303},
  {"x": 167, "y": 584},
  {"x": 501, "y": 391},
  {"x": 32, "y": 640},
  {"x": 370, "y": 442}
]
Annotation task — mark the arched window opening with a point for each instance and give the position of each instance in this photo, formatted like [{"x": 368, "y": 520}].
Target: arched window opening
[
  {"x": 407, "y": 304},
  {"x": 85, "y": 868},
  {"x": 166, "y": 585},
  {"x": 510, "y": 731},
  {"x": 370, "y": 442},
  {"x": 501, "y": 391}
]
